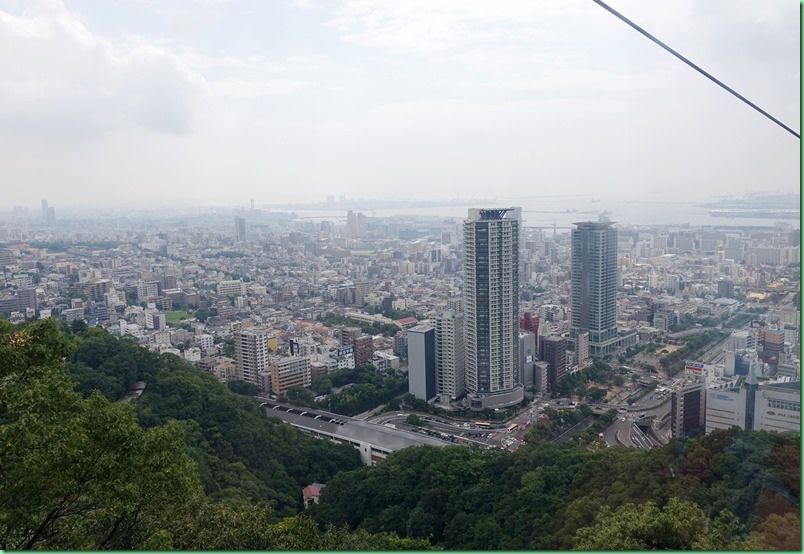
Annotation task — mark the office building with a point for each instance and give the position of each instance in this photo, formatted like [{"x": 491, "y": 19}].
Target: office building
[
  {"x": 450, "y": 356},
  {"x": 594, "y": 285},
  {"x": 768, "y": 406},
  {"x": 491, "y": 308},
  {"x": 26, "y": 297},
  {"x": 44, "y": 211},
  {"x": 527, "y": 357},
  {"x": 240, "y": 229},
  {"x": 688, "y": 401},
  {"x": 725, "y": 288},
  {"x": 778, "y": 407},
  {"x": 251, "y": 354},
  {"x": 773, "y": 343},
  {"x": 553, "y": 351},
  {"x": 422, "y": 362}
]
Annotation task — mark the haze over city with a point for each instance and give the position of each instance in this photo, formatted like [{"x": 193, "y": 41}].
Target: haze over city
[
  {"x": 220, "y": 102},
  {"x": 400, "y": 275}
]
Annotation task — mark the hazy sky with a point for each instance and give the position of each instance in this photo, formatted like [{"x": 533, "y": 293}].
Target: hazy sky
[{"x": 155, "y": 102}]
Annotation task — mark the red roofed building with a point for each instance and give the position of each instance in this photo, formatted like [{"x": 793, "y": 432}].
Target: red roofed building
[
  {"x": 407, "y": 322},
  {"x": 311, "y": 494}
]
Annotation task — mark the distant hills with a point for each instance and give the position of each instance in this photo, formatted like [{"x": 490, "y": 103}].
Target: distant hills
[{"x": 758, "y": 201}]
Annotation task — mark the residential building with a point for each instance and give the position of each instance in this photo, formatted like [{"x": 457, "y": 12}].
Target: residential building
[
  {"x": 232, "y": 288},
  {"x": 293, "y": 371},
  {"x": 491, "y": 305},
  {"x": 594, "y": 285},
  {"x": 363, "y": 350},
  {"x": 450, "y": 356},
  {"x": 251, "y": 354},
  {"x": 155, "y": 320}
]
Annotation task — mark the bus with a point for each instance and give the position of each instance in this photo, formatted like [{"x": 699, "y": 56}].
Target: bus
[
  {"x": 511, "y": 428},
  {"x": 483, "y": 424}
]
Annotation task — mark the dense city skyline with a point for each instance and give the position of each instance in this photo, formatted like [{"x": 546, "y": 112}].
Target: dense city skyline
[
  {"x": 217, "y": 103},
  {"x": 374, "y": 275}
]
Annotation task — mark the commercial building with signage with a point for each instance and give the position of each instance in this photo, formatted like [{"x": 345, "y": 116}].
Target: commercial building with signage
[
  {"x": 725, "y": 409},
  {"x": 768, "y": 406},
  {"x": 778, "y": 407}
]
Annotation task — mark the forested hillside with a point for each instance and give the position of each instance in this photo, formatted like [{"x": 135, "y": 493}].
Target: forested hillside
[
  {"x": 727, "y": 490},
  {"x": 241, "y": 454},
  {"x": 191, "y": 465},
  {"x": 82, "y": 472}
]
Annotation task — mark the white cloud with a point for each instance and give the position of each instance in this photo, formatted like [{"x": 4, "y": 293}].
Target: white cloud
[
  {"x": 57, "y": 78},
  {"x": 242, "y": 88},
  {"x": 425, "y": 27}
]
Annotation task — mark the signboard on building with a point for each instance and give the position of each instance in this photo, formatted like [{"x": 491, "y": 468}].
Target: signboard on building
[
  {"x": 697, "y": 367},
  {"x": 344, "y": 351}
]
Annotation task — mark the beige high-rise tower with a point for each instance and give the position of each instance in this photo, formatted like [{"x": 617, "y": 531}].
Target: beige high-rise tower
[
  {"x": 491, "y": 308},
  {"x": 251, "y": 354},
  {"x": 450, "y": 356}
]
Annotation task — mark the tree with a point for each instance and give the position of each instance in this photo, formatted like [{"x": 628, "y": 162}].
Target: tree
[
  {"x": 778, "y": 532},
  {"x": 322, "y": 385},
  {"x": 596, "y": 394},
  {"x": 66, "y": 479},
  {"x": 202, "y": 314},
  {"x": 413, "y": 419},
  {"x": 244, "y": 388},
  {"x": 79, "y": 326},
  {"x": 300, "y": 396},
  {"x": 681, "y": 525}
]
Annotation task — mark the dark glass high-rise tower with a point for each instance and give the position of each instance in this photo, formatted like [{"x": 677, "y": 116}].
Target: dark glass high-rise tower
[{"x": 594, "y": 285}]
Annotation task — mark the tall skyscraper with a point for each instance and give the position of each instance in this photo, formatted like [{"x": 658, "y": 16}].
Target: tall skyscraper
[
  {"x": 240, "y": 229},
  {"x": 251, "y": 354},
  {"x": 594, "y": 285},
  {"x": 450, "y": 356},
  {"x": 44, "y": 211},
  {"x": 356, "y": 226},
  {"x": 491, "y": 305}
]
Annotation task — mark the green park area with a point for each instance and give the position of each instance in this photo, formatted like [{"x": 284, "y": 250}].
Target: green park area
[{"x": 173, "y": 318}]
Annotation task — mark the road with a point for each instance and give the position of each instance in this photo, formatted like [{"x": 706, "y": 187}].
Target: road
[{"x": 460, "y": 432}]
